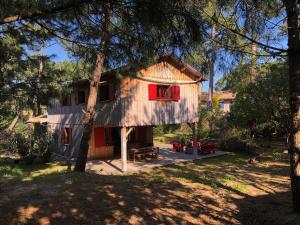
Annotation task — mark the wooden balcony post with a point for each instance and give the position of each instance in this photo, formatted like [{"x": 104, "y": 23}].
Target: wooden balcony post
[{"x": 124, "y": 148}]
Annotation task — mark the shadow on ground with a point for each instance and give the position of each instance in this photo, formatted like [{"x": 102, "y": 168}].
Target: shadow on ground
[{"x": 200, "y": 192}]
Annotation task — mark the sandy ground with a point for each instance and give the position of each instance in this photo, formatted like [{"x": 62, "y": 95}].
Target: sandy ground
[{"x": 220, "y": 190}]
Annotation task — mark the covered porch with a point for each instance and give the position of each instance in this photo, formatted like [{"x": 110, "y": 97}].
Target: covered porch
[
  {"x": 113, "y": 144},
  {"x": 166, "y": 157}
]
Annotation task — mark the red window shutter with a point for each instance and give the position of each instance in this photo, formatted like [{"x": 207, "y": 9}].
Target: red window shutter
[
  {"x": 112, "y": 92},
  {"x": 152, "y": 91},
  {"x": 99, "y": 135},
  {"x": 176, "y": 93}
]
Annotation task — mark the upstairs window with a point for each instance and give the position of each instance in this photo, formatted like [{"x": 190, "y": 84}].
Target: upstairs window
[
  {"x": 163, "y": 92},
  {"x": 80, "y": 97},
  {"x": 66, "y": 101},
  {"x": 106, "y": 92},
  {"x": 66, "y": 135}
]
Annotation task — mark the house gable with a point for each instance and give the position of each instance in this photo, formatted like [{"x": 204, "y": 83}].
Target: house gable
[{"x": 166, "y": 71}]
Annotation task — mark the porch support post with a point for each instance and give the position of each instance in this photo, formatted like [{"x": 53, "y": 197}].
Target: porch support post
[{"x": 124, "y": 149}]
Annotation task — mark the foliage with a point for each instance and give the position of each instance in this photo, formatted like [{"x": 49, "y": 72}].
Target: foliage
[
  {"x": 203, "y": 123},
  {"x": 165, "y": 129},
  {"x": 137, "y": 31},
  {"x": 211, "y": 121},
  {"x": 262, "y": 106},
  {"x": 236, "y": 80}
]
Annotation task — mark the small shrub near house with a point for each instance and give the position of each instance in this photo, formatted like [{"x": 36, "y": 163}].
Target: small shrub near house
[{"x": 29, "y": 145}]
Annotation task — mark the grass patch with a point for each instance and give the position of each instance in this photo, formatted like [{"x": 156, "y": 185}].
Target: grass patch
[
  {"x": 12, "y": 171},
  {"x": 168, "y": 138}
]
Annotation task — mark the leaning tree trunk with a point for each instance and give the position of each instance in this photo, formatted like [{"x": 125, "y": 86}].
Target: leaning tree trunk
[
  {"x": 89, "y": 115},
  {"x": 294, "y": 84}
]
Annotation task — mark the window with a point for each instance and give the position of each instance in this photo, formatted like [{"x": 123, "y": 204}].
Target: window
[
  {"x": 66, "y": 101},
  {"x": 163, "y": 92},
  {"x": 66, "y": 135},
  {"x": 81, "y": 97},
  {"x": 222, "y": 105},
  {"x": 106, "y": 92}
]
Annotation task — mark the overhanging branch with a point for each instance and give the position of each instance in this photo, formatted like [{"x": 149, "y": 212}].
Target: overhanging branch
[
  {"x": 265, "y": 46},
  {"x": 43, "y": 13}
]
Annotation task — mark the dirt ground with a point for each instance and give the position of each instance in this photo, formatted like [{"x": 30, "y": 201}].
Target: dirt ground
[{"x": 222, "y": 190}]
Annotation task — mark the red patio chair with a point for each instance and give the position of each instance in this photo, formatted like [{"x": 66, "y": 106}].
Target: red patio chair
[
  {"x": 196, "y": 144},
  {"x": 207, "y": 149},
  {"x": 177, "y": 147}
]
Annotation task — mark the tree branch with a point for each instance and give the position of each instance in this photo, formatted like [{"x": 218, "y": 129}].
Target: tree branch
[
  {"x": 44, "y": 12},
  {"x": 265, "y": 46}
]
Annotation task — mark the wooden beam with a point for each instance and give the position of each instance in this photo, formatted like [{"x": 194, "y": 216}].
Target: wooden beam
[
  {"x": 129, "y": 131},
  {"x": 124, "y": 148}
]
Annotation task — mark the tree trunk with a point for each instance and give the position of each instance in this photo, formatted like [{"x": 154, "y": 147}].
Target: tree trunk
[
  {"x": 212, "y": 68},
  {"x": 294, "y": 84},
  {"x": 89, "y": 116},
  {"x": 211, "y": 76},
  {"x": 39, "y": 79},
  {"x": 253, "y": 70}
]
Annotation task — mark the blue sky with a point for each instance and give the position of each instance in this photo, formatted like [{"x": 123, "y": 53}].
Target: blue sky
[
  {"x": 58, "y": 51},
  {"x": 60, "y": 54}
]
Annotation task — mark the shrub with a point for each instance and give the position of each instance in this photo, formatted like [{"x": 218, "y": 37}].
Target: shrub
[
  {"x": 235, "y": 144},
  {"x": 29, "y": 144}
]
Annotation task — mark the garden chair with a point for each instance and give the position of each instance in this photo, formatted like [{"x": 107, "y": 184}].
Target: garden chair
[{"x": 207, "y": 149}]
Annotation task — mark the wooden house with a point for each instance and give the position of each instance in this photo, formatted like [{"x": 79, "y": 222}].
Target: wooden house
[
  {"x": 226, "y": 99},
  {"x": 165, "y": 92}
]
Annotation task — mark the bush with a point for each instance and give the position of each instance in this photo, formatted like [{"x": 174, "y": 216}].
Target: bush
[
  {"x": 29, "y": 144},
  {"x": 235, "y": 144},
  {"x": 7, "y": 142},
  {"x": 165, "y": 129}
]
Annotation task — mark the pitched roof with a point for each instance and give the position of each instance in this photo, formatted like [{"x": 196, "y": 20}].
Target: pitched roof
[
  {"x": 223, "y": 95},
  {"x": 170, "y": 58}
]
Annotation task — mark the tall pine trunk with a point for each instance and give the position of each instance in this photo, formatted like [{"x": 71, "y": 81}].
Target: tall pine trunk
[
  {"x": 88, "y": 120},
  {"x": 212, "y": 67},
  {"x": 253, "y": 69},
  {"x": 211, "y": 76},
  {"x": 294, "y": 85}
]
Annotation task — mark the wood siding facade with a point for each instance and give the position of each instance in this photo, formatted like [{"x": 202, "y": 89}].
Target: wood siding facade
[{"x": 131, "y": 106}]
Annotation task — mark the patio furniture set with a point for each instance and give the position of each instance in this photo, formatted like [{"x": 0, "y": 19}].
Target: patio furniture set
[
  {"x": 143, "y": 153},
  {"x": 201, "y": 147}
]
